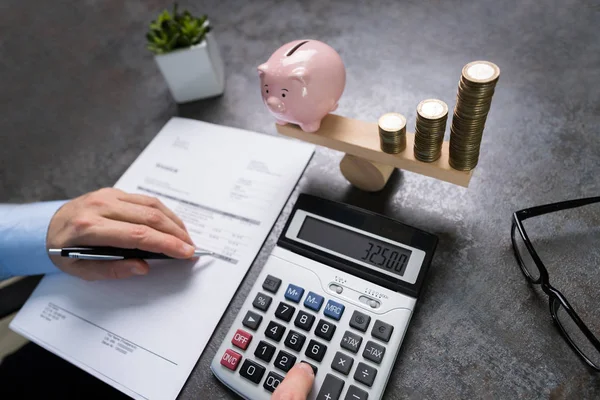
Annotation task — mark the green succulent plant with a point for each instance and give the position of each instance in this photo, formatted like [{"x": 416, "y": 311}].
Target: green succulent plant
[{"x": 175, "y": 31}]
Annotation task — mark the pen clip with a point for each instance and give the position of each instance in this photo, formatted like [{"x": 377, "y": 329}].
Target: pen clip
[{"x": 80, "y": 256}]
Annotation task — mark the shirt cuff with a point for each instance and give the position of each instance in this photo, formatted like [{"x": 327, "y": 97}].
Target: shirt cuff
[{"x": 23, "y": 230}]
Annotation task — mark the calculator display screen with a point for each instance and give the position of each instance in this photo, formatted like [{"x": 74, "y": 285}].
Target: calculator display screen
[{"x": 382, "y": 255}]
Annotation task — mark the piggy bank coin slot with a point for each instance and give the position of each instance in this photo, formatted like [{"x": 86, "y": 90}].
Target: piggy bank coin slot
[{"x": 296, "y": 47}]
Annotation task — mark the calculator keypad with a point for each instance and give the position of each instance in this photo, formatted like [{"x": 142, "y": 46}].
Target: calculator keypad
[
  {"x": 304, "y": 320},
  {"x": 285, "y": 361},
  {"x": 342, "y": 363},
  {"x": 365, "y": 374},
  {"x": 294, "y": 293},
  {"x": 351, "y": 341},
  {"x": 331, "y": 388},
  {"x": 325, "y": 330},
  {"x": 273, "y": 380},
  {"x": 252, "y": 371},
  {"x": 382, "y": 331},
  {"x": 274, "y": 331},
  {"x": 294, "y": 340},
  {"x": 360, "y": 321},
  {"x": 334, "y": 310},
  {"x": 355, "y": 393},
  {"x": 264, "y": 351},
  {"x": 271, "y": 284},
  {"x": 252, "y": 320},
  {"x": 241, "y": 339},
  {"x": 374, "y": 352},
  {"x": 315, "y": 350},
  {"x": 262, "y": 301},
  {"x": 285, "y": 311},
  {"x": 349, "y": 365},
  {"x": 313, "y": 301}
]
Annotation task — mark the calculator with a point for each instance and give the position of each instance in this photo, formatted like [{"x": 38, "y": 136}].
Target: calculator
[{"x": 337, "y": 292}]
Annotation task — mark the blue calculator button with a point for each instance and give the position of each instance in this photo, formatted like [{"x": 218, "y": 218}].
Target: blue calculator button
[
  {"x": 334, "y": 310},
  {"x": 294, "y": 293},
  {"x": 313, "y": 301}
]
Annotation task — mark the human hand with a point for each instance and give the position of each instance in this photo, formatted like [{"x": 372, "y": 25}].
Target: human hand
[
  {"x": 111, "y": 217},
  {"x": 297, "y": 383}
]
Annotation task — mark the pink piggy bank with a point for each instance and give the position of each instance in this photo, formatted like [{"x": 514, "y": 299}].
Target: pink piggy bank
[{"x": 302, "y": 82}]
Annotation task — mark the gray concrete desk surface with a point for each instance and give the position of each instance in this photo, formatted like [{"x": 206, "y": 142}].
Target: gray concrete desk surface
[{"x": 81, "y": 97}]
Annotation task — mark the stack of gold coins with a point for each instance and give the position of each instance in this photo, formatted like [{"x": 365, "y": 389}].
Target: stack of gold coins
[
  {"x": 430, "y": 127},
  {"x": 392, "y": 133},
  {"x": 475, "y": 91}
]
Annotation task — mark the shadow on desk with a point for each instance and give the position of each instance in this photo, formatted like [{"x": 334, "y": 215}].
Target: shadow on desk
[{"x": 34, "y": 373}]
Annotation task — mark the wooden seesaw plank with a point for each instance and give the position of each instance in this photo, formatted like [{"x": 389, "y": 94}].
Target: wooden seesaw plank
[{"x": 361, "y": 139}]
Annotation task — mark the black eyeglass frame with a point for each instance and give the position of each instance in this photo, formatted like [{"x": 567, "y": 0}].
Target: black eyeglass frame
[{"x": 556, "y": 298}]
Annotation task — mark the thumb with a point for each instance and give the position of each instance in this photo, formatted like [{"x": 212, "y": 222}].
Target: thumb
[
  {"x": 297, "y": 383},
  {"x": 103, "y": 270}
]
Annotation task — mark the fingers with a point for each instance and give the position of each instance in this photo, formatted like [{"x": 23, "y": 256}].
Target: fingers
[
  {"x": 144, "y": 215},
  {"x": 102, "y": 270},
  {"x": 107, "y": 232},
  {"x": 154, "y": 203},
  {"x": 297, "y": 383}
]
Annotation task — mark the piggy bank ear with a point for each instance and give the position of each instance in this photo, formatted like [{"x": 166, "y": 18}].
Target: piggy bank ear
[
  {"x": 262, "y": 69},
  {"x": 300, "y": 74}
]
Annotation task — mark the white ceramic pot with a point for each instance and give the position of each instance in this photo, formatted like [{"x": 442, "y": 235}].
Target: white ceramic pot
[{"x": 194, "y": 73}]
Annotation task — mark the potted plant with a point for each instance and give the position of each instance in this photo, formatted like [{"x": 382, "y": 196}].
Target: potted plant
[{"x": 187, "y": 55}]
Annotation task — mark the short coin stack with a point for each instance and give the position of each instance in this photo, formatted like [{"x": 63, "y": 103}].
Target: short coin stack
[
  {"x": 475, "y": 91},
  {"x": 430, "y": 127},
  {"x": 392, "y": 133}
]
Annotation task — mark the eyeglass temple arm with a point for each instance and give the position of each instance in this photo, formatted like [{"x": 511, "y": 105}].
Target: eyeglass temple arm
[{"x": 563, "y": 205}]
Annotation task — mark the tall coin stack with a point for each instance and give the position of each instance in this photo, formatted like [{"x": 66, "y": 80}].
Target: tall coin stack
[
  {"x": 475, "y": 91},
  {"x": 392, "y": 133},
  {"x": 430, "y": 127}
]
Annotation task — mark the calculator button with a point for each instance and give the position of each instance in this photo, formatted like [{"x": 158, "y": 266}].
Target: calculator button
[
  {"x": 273, "y": 380},
  {"x": 382, "y": 331},
  {"x": 294, "y": 293},
  {"x": 284, "y": 361},
  {"x": 294, "y": 340},
  {"x": 315, "y": 350},
  {"x": 313, "y": 301},
  {"x": 331, "y": 389},
  {"x": 360, "y": 321},
  {"x": 231, "y": 359},
  {"x": 271, "y": 284},
  {"x": 264, "y": 351},
  {"x": 304, "y": 320},
  {"x": 315, "y": 369},
  {"x": 342, "y": 363},
  {"x": 252, "y": 320},
  {"x": 373, "y": 352},
  {"x": 365, "y": 374},
  {"x": 252, "y": 371},
  {"x": 334, "y": 310},
  {"x": 262, "y": 301},
  {"x": 241, "y": 339},
  {"x": 284, "y": 311},
  {"x": 274, "y": 331},
  {"x": 351, "y": 341},
  {"x": 355, "y": 393},
  {"x": 325, "y": 330}
]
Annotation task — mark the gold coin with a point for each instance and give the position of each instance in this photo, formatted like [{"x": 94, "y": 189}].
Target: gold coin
[{"x": 481, "y": 72}]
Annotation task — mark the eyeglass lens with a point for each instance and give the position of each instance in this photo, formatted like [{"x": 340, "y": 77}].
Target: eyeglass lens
[{"x": 576, "y": 335}]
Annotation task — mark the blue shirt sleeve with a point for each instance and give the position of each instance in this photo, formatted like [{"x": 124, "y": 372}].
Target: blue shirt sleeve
[{"x": 23, "y": 229}]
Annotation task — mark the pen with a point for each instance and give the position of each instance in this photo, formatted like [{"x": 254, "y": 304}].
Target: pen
[{"x": 113, "y": 253}]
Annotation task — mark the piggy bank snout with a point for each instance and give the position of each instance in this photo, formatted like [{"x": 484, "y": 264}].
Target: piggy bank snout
[{"x": 275, "y": 104}]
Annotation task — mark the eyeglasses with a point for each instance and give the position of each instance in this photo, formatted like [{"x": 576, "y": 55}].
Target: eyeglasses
[{"x": 571, "y": 327}]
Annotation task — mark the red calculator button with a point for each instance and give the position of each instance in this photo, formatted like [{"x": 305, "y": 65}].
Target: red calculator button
[
  {"x": 231, "y": 359},
  {"x": 241, "y": 339}
]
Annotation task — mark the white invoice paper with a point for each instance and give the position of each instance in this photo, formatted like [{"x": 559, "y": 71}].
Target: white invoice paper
[{"x": 144, "y": 335}]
